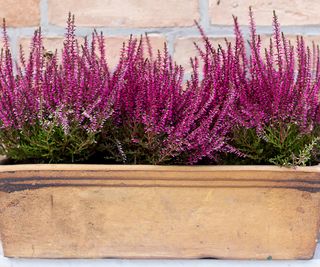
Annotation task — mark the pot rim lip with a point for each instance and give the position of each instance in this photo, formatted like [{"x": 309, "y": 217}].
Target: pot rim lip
[
  {"x": 158, "y": 168},
  {"x": 35, "y": 176}
]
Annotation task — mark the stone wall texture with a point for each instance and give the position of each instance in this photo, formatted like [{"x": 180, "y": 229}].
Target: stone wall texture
[{"x": 170, "y": 21}]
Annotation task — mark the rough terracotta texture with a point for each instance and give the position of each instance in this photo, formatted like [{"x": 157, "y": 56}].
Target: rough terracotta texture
[
  {"x": 113, "y": 45},
  {"x": 172, "y": 19},
  {"x": 184, "y": 48},
  {"x": 293, "y": 39},
  {"x": 62, "y": 211},
  {"x": 290, "y": 12},
  {"x": 24, "y": 13},
  {"x": 128, "y": 13},
  {"x": 309, "y": 39},
  {"x": 50, "y": 44}
]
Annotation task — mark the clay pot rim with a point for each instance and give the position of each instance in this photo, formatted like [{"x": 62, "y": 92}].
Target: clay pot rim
[
  {"x": 157, "y": 168},
  {"x": 35, "y": 176}
]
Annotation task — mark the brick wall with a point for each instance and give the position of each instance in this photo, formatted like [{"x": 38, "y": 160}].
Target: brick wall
[{"x": 166, "y": 20}]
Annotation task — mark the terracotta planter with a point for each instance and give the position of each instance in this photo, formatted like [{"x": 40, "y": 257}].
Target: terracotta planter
[{"x": 91, "y": 211}]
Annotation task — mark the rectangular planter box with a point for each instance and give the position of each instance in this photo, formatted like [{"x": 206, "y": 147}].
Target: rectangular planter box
[{"x": 102, "y": 211}]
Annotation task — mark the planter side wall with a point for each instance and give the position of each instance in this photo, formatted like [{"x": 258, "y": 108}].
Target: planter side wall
[{"x": 159, "y": 221}]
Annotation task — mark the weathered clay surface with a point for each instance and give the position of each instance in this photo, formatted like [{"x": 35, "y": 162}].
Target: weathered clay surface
[
  {"x": 130, "y": 13},
  {"x": 24, "y": 13},
  {"x": 113, "y": 45},
  {"x": 290, "y": 12},
  {"x": 61, "y": 211}
]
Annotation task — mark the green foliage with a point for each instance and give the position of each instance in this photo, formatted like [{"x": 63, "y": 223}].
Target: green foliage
[
  {"x": 50, "y": 144},
  {"x": 281, "y": 144},
  {"x": 131, "y": 144}
]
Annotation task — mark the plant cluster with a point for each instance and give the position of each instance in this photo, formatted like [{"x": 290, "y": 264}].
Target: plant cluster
[
  {"x": 278, "y": 98},
  {"x": 260, "y": 107},
  {"x": 75, "y": 109}
]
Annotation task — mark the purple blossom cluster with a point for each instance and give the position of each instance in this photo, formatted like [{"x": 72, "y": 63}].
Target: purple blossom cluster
[
  {"x": 277, "y": 84},
  {"x": 190, "y": 118},
  {"x": 146, "y": 88},
  {"x": 276, "y": 87},
  {"x": 76, "y": 89},
  {"x": 145, "y": 107}
]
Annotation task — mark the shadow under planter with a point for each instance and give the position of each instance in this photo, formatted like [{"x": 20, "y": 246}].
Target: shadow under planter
[{"x": 114, "y": 211}]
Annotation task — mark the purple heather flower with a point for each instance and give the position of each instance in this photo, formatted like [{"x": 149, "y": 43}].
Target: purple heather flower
[
  {"x": 79, "y": 90},
  {"x": 193, "y": 119},
  {"x": 272, "y": 86},
  {"x": 189, "y": 120}
]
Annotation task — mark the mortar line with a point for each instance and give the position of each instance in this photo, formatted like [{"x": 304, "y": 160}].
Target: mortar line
[
  {"x": 187, "y": 31},
  {"x": 170, "y": 33},
  {"x": 204, "y": 14},
  {"x": 44, "y": 23}
]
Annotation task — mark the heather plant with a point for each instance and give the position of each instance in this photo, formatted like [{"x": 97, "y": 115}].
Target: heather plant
[
  {"x": 74, "y": 108},
  {"x": 158, "y": 120},
  {"x": 52, "y": 111},
  {"x": 260, "y": 107},
  {"x": 277, "y": 98}
]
